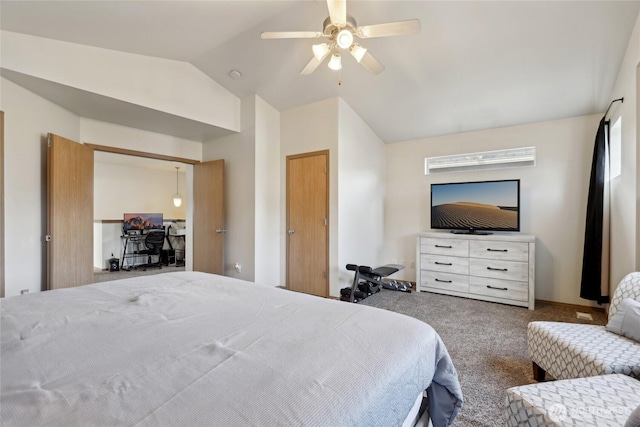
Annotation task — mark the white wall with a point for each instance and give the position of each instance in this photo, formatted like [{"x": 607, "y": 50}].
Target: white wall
[
  {"x": 238, "y": 152},
  {"x": 625, "y": 189},
  {"x": 174, "y": 87},
  {"x": 112, "y": 135},
  {"x": 267, "y": 197},
  {"x": 553, "y": 194},
  {"x": 28, "y": 119},
  {"x": 361, "y": 191},
  {"x": 312, "y": 127},
  {"x": 252, "y": 193},
  {"x": 120, "y": 188}
]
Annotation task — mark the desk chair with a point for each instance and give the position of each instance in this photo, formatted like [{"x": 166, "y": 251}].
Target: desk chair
[{"x": 153, "y": 241}]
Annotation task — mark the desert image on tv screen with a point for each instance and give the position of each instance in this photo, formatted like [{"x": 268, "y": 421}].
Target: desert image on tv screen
[{"x": 478, "y": 205}]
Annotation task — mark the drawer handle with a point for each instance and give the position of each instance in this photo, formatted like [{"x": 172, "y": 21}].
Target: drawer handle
[
  {"x": 500, "y": 289},
  {"x": 444, "y": 281},
  {"x": 496, "y": 269},
  {"x": 445, "y": 263},
  {"x": 443, "y": 246},
  {"x": 497, "y": 250}
]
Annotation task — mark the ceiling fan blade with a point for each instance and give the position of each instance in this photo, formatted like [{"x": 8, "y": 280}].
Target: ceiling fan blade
[
  {"x": 371, "y": 64},
  {"x": 313, "y": 64},
  {"x": 338, "y": 12},
  {"x": 291, "y": 34},
  {"x": 400, "y": 28}
]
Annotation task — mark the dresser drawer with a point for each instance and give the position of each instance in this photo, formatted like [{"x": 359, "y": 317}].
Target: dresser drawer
[
  {"x": 507, "y": 270},
  {"x": 445, "y": 281},
  {"x": 507, "y": 251},
  {"x": 517, "y": 291},
  {"x": 445, "y": 264},
  {"x": 449, "y": 247}
]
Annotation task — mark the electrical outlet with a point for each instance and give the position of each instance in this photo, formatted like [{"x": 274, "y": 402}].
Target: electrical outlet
[
  {"x": 402, "y": 263},
  {"x": 238, "y": 267},
  {"x": 24, "y": 291},
  {"x": 394, "y": 261},
  {"x": 412, "y": 265}
]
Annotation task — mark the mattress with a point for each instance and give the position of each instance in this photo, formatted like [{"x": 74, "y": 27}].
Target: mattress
[{"x": 195, "y": 349}]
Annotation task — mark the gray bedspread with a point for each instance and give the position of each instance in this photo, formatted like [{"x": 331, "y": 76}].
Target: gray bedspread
[{"x": 194, "y": 349}]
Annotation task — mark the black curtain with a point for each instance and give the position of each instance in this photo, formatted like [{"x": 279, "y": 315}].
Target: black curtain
[{"x": 591, "y": 285}]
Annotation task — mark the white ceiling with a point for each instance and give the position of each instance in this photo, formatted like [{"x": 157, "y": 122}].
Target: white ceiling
[{"x": 475, "y": 65}]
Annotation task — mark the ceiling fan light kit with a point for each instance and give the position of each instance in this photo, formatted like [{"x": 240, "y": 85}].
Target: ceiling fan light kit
[
  {"x": 341, "y": 29},
  {"x": 335, "y": 63},
  {"x": 344, "y": 39},
  {"x": 357, "y": 52},
  {"x": 320, "y": 50}
]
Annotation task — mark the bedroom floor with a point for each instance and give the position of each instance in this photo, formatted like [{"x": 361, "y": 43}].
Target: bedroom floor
[
  {"x": 105, "y": 275},
  {"x": 487, "y": 342}
]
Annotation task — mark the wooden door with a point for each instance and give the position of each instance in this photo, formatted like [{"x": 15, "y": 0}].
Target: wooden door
[
  {"x": 208, "y": 217},
  {"x": 308, "y": 223},
  {"x": 69, "y": 213}
]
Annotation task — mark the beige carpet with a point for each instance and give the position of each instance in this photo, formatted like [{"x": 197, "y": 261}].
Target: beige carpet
[
  {"x": 105, "y": 276},
  {"x": 487, "y": 342}
]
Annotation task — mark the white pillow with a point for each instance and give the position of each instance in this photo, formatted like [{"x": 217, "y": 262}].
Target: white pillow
[{"x": 626, "y": 321}]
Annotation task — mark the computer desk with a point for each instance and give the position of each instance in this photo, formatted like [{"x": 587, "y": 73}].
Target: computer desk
[
  {"x": 176, "y": 251},
  {"x": 127, "y": 240}
]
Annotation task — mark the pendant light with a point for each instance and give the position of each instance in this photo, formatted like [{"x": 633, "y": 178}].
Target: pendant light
[{"x": 177, "y": 198}]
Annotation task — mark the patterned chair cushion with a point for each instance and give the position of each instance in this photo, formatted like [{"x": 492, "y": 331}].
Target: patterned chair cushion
[
  {"x": 629, "y": 287},
  {"x": 626, "y": 320},
  {"x": 573, "y": 350},
  {"x": 606, "y": 400}
]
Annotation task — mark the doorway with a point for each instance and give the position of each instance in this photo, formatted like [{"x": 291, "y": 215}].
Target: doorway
[
  {"x": 307, "y": 208},
  {"x": 64, "y": 271},
  {"x": 132, "y": 185}
]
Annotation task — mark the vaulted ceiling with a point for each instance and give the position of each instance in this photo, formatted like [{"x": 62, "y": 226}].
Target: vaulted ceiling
[{"x": 474, "y": 65}]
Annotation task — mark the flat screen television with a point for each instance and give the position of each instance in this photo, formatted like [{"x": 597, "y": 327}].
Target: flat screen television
[
  {"x": 141, "y": 222},
  {"x": 476, "y": 207}
]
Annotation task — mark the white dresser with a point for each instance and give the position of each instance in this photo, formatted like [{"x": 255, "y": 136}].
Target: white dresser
[{"x": 496, "y": 267}]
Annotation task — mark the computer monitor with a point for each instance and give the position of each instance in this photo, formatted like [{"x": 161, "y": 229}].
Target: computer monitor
[{"x": 140, "y": 222}]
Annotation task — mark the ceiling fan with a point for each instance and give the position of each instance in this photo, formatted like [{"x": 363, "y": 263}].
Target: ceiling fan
[{"x": 340, "y": 29}]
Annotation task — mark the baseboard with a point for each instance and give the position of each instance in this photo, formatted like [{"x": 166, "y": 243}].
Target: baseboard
[{"x": 574, "y": 306}]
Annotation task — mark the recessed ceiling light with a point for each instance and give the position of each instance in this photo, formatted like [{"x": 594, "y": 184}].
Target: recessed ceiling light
[{"x": 235, "y": 74}]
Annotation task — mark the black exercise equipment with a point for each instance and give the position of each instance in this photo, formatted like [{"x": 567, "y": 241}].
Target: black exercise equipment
[{"x": 367, "y": 281}]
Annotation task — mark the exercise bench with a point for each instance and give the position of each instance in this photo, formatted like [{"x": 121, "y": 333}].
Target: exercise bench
[{"x": 368, "y": 281}]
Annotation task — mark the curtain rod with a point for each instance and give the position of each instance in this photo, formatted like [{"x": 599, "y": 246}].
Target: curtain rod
[{"x": 615, "y": 100}]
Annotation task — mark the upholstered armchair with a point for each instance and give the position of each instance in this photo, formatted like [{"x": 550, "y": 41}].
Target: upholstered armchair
[{"x": 572, "y": 350}]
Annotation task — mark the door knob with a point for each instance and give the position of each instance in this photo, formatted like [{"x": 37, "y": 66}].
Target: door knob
[
  {"x": 220, "y": 230},
  {"x": 290, "y": 232}
]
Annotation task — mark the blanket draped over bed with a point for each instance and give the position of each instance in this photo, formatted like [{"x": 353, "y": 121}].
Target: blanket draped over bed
[{"x": 194, "y": 349}]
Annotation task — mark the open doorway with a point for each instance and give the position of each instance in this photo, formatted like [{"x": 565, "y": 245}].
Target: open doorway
[
  {"x": 70, "y": 198},
  {"x": 126, "y": 184}
]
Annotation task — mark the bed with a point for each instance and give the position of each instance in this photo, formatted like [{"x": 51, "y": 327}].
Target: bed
[{"x": 196, "y": 349}]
